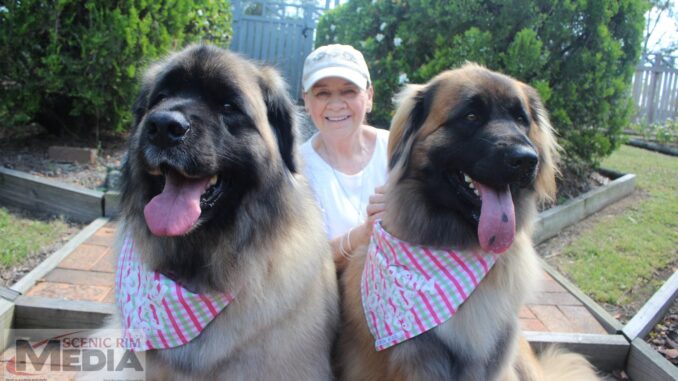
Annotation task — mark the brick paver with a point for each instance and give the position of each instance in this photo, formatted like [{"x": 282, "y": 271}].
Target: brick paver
[
  {"x": 84, "y": 257},
  {"x": 88, "y": 274},
  {"x": 69, "y": 291}
]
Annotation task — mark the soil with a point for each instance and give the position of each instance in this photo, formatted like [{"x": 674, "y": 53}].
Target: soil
[{"x": 28, "y": 153}]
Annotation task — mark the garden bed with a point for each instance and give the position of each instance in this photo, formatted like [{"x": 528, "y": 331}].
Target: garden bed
[
  {"x": 609, "y": 352},
  {"x": 654, "y": 146}
]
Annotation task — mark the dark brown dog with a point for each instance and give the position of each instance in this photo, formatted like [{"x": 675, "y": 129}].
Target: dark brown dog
[
  {"x": 471, "y": 152},
  {"x": 213, "y": 199}
]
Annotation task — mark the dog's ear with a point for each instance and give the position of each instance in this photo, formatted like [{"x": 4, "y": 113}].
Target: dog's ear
[
  {"x": 414, "y": 104},
  {"x": 543, "y": 136},
  {"x": 281, "y": 113}
]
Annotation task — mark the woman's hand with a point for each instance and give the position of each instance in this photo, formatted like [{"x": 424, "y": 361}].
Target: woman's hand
[
  {"x": 344, "y": 245},
  {"x": 375, "y": 208}
]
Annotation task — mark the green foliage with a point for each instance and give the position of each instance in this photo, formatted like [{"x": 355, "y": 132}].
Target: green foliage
[
  {"x": 73, "y": 65},
  {"x": 578, "y": 54},
  {"x": 662, "y": 133},
  {"x": 21, "y": 237}
]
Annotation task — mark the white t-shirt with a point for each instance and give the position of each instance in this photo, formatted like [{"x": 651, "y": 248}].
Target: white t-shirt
[{"x": 343, "y": 198}]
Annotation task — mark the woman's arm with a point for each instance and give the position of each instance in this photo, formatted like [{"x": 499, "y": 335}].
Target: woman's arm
[{"x": 344, "y": 245}]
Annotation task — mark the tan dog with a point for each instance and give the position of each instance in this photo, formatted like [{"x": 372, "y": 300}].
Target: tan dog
[
  {"x": 213, "y": 199},
  {"x": 470, "y": 153}
]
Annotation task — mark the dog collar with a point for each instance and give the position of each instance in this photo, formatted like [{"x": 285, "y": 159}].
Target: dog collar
[
  {"x": 156, "y": 311},
  {"x": 409, "y": 289}
]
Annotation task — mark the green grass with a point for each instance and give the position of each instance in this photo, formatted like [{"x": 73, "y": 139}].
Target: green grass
[
  {"x": 626, "y": 253},
  {"x": 21, "y": 237}
]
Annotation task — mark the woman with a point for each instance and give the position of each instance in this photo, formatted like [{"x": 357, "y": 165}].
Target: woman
[{"x": 345, "y": 161}]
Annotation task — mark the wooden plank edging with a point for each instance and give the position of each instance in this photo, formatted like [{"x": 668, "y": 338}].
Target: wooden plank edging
[
  {"x": 7, "y": 308},
  {"x": 45, "y": 195},
  {"x": 551, "y": 221},
  {"x": 6, "y": 321},
  {"x": 608, "y": 322},
  {"x": 605, "y": 352},
  {"x": 645, "y": 363},
  {"x": 40, "y": 312},
  {"x": 653, "y": 310},
  {"x": 27, "y": 281}
]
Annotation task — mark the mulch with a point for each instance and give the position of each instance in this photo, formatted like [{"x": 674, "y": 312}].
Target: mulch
[
  {"x": 664, "y": 336},
  {"x": 28, "y": 153}
]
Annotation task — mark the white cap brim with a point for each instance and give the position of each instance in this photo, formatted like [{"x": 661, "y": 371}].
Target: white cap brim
[{"x": 348, "y": 74}]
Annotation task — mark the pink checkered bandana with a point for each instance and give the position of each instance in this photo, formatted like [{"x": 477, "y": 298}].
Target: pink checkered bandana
[
  {"x": 410, "y": 289},
  {"x": 156, "y": 311}
]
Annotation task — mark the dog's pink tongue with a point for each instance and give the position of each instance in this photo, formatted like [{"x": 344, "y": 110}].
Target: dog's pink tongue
[
  {"x": 497, "y": 226},
  {"x": 174, "y": 211}
]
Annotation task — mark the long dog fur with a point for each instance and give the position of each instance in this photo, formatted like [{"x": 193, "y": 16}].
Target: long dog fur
[
  {"x": 482, "y": 340},
  {"x": 263, "y": 237}
]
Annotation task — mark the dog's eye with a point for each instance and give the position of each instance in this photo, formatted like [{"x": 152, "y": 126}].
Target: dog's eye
[
  {"x": 228, "y": 107},
  {"x": 520, "y": 119},
  {"x": 471, "y": 117},
  {"x": 158, "y": 98}
]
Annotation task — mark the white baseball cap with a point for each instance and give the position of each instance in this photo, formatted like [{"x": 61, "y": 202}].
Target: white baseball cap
[{"x": 336, "y": 60}]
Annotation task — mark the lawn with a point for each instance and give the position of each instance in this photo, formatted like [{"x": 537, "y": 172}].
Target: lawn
[
  {"x": 624, "y": 257},
  {"x": 21, "y": 237}
]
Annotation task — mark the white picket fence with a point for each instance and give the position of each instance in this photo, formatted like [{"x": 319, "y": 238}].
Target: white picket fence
[{"x": 655, "y": 89}]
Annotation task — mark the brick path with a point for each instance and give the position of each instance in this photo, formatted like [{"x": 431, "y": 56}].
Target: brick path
[{"x": 87, "y": 274}]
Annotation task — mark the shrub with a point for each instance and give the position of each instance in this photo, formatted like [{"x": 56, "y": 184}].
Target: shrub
[
  {"x": 72, "y": 65},
  {"x": 663, "y": 133},
  {"x": 580, "y": 55}
]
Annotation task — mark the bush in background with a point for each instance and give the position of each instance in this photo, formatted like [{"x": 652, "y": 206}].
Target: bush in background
[
  {"x": 665, "y": 132},
  {"x": 580, "y": 55},
  {"x": 72, "y": 65}
]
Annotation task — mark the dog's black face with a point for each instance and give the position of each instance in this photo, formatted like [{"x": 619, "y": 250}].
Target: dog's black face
[
  {"x": 210, "y": 129},
  {"x": 470, "y": 151}
]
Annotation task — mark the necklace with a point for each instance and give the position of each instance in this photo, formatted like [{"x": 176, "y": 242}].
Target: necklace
[{"x": 360, "y": 208}]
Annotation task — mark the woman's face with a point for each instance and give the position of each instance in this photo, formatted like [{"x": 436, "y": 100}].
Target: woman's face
[{"x": 335, "y": 104}]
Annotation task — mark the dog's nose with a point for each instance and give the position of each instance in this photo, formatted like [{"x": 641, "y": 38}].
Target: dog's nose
[
  {"x": 522, "y": 160},
  {"x": 166, "y": 128}
]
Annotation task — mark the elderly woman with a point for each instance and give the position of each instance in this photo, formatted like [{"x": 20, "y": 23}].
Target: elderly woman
[{"x": 345, "y": 161}]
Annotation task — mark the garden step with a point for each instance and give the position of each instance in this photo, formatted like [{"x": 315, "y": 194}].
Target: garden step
[{"x": 87, "y": 274}]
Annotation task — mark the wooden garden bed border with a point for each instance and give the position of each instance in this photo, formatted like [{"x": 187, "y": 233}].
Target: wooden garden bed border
[
  {"x": 7, "y": 308},
  {"x": 622, "y": 347},
  {"x": 605, "y": 352},
  {"x": 45, "y": 195},
  {"x": 642, "y": 361},
  {"x": 653, "y": 310},
  {"x": 550, "y": 222},
  {"x": 645, "y": 363}
]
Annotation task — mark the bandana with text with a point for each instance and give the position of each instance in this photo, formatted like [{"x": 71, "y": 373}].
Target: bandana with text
[
  {"x": 409, "y": 289},
  {"x": 156, "y": 311}
]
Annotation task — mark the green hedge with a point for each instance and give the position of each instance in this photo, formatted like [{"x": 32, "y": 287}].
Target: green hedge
[
  {"x": 579, "y": 54},
  {"x": 72, "y": 66}
]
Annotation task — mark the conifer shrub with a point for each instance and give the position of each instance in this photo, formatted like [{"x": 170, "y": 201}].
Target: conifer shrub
[{"x": 72, "y": 66}]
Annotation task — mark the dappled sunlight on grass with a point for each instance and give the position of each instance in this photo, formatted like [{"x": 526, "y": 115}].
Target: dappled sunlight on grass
[{"x": 625, "y": 253}]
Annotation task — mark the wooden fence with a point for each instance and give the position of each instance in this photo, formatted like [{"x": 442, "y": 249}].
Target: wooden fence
[
  {"x": 655, "y": 89},
  {"x": 279, "y": 33}
]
